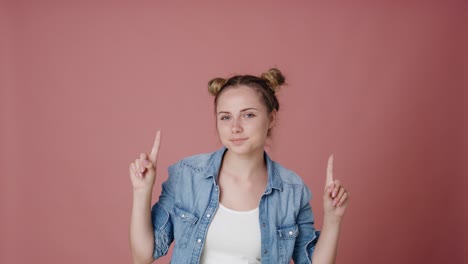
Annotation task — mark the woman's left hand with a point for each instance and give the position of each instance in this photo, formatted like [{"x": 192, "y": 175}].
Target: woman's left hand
[{"x": 336, "y": 197}]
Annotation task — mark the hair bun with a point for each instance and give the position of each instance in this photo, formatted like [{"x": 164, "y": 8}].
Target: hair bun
[
  {"x": 215, "y": 85},
  {"x": 274, "y": 78}
]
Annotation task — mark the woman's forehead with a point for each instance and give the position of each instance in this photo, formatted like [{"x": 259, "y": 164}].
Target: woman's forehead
[{"x": 239, "y": 98}]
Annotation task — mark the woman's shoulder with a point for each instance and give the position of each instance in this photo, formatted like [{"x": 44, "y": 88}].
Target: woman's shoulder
[
  {"x": 288, "y": 176},
  {"x": 200, "y": 161}
]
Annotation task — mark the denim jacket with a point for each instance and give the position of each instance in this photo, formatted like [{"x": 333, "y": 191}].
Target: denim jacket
[{"x": 190, "y": 197}]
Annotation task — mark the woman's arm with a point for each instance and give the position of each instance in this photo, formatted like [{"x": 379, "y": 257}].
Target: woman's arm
[
  {"x": 143, "y": 175},
  {"x": 326, "y": 247},
  {"x": 141, "y": 228},
  {"x": 335, "y": 201}
]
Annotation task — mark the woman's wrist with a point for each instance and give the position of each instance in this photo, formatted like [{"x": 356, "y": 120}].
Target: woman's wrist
[
  {"x": 142, "y": 191},
  {"x": 332, "y": 220},
  {"x": 142, "y": 197}
]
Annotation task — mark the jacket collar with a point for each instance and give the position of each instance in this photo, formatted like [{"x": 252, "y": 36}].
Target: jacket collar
[{"x": 274, "y": 179}]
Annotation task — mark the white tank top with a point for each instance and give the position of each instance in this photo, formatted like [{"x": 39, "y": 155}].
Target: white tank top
[{"x": 233, "y": 238}]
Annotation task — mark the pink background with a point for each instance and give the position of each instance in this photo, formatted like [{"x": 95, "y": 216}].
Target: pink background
[{"x": 85, "y": 86}]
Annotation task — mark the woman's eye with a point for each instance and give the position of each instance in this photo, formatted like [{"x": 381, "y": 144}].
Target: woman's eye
[
  {"x": 249, "y": 115},
  {"x": 224, "y": 118}
]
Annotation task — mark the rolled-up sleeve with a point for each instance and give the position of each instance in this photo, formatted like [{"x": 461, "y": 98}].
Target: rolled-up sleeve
[
  {"x": 308, "y": 236},
  {"x": 161, "y": 216}
]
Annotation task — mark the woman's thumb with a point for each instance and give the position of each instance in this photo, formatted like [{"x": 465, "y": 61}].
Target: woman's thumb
[{"x": 147, "y": 164}]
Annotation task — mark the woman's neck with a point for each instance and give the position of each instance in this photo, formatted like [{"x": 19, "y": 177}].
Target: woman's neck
[{"x": 244, "y": 167}]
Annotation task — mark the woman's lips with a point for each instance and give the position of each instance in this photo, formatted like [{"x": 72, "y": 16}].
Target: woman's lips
[{"x": 238, "y": 141}]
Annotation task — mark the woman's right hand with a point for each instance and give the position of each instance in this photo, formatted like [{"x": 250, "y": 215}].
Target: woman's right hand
[{"x": 143, "y": 169}]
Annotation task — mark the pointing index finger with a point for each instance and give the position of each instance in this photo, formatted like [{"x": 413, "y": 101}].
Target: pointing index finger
[
  {"x": 154, "y": 151},
  {"x": 330, "y": 170}
]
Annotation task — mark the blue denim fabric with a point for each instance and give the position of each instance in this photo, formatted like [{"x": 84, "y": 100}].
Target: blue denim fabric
[{"x": 190, "y": 198}]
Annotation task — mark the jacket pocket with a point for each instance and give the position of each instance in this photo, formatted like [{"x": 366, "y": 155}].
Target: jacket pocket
[
  {"x": 184, "y": 224},
  {"x": 286, "y": 240}
]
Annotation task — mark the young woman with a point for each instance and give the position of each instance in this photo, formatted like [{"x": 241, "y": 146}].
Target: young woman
[{"x": 234, "y": 205}]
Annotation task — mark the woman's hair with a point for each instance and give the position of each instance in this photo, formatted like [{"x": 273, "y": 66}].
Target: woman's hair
[{"x": 266, "y": 85}]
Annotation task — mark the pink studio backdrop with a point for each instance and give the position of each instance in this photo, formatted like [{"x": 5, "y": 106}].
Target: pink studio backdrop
[{"x": 85, "y": 86}]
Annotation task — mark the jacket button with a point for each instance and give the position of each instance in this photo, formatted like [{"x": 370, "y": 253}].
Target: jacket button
[
  {"x": 291, "y": 232},
  {"x": 199, "y": 241},
  {"x": 208, "y": 215},
  {"x": 265, "y": 251}
]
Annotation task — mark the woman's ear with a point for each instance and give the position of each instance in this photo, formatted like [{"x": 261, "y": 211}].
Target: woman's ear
[{"x": 272, "y": 119}]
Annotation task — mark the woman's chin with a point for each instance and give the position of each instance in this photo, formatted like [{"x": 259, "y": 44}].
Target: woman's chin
[
  {"x": 242, "y": 149},
  {"x": 238, "y": 149}
]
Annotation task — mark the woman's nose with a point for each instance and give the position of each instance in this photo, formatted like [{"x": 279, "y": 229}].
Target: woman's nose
[{"x": 236, "y": 126}]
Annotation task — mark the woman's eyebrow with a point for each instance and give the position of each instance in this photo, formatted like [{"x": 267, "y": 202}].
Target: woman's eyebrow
[
  {"x": 243, "y": 110},
  {"x": 250, "y": 108}
]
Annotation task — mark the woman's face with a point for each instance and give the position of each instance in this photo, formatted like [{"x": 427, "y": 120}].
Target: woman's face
[{"x": 242, "y": 120}]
